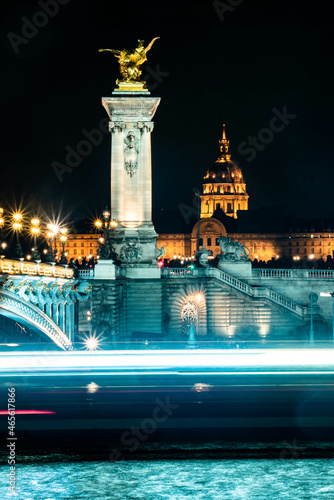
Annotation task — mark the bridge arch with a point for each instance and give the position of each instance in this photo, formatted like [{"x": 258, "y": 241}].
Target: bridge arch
[{"x": 17, "y": 308}]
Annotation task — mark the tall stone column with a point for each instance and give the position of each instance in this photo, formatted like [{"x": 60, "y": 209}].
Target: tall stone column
[{"x": 134, "y": 239}]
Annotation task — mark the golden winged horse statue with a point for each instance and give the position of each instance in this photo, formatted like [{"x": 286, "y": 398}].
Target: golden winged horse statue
[{"x": 130, "y": 62}]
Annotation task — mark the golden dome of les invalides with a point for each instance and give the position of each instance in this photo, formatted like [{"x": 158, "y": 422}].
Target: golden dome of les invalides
[{"x": 224, "y": 186}]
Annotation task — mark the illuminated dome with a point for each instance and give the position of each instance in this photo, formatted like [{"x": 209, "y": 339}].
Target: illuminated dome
[
  {"x": 224, "y": 186},
  {"x": 221, "y": 172},
  {"x": 224, "y": 170}
]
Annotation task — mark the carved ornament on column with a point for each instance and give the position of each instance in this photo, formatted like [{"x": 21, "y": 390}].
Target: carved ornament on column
[
  {"x": 131, "y": 152},
  {"x": 131, "y": 252},
  {"x": 145, "y": 126},
  {"x": 113, "y": 126}
]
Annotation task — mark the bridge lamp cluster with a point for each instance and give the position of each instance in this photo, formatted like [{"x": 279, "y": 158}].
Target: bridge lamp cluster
[{"x": 53, "y": 228}]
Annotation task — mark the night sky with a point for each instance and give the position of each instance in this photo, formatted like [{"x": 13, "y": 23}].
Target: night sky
[{"x": 262, "y": 56}]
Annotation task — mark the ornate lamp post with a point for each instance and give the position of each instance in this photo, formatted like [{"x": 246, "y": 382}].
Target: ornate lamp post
[
  {"x": 54, "y": 229},
  {"x": 3, "y": 247},
  {"x": 2, "y": 238},
  {"x": 17, "y": 226},
  {"x": 106, "y": 216},
  {"x": 63, "y": 240},
  {"x": 49, "y": 255},
  {"x": 35, "y": 231},
  {"x": 198, "y": 194}
]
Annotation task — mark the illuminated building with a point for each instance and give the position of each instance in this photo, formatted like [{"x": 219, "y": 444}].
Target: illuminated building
[{"x": 224, "y": 186}]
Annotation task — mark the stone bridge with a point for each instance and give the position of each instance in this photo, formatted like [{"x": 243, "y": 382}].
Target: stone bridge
[{"x": 43, "y": 297}]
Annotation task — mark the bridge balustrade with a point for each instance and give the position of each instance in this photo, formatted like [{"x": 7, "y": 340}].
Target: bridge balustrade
[{"x": 11, "y": 266}]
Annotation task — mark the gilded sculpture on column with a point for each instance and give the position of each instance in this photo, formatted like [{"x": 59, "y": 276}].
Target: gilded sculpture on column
[{"x": 129, "y": 65}]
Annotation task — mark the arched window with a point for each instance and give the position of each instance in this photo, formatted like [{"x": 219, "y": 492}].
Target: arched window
[
  {"x": 218, "y": 206},
  {"x": 218, "y": 189},
  {"x": 208, "y": 242}
]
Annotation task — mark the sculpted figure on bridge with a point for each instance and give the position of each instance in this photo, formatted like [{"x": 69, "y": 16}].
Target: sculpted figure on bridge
[
  {"x": 232, "y": 250},
  {"x": 130, "y": 61}
]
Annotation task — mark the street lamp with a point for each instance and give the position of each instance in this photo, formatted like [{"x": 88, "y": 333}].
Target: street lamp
[
  {"x": 98, "y": 224},
  {"x": 54, "y": 229},
  {"x": 2, "y": 223},
  {"x": 63, "y": 240},
  {"x": 113, "y": 224},
  {"x": 106, "y": 216},
  {"x": 49, "y": 255},
  {"x": 17, "y": 226},
  {"x": 197, "y": 193},
  {"x": 329, "y": 294},
  {"x": 35, "y": 231}
]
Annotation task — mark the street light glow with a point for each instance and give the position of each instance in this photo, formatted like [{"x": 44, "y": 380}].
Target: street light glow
[{"x": 17, "y": 216}]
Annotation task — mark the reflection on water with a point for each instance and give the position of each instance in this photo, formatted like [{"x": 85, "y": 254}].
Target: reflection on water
[{"x": 63, "y": 477}]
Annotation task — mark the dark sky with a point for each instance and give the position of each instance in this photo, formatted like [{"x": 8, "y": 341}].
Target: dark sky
[{"x": 262, "y": 56}]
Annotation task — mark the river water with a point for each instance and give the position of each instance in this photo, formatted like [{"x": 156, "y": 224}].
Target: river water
[{"x": 196, "y": 475}]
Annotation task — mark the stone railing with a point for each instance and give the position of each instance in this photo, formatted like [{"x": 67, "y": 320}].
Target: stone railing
[
  {"x": 170, "y": 272},
  {"x": 259, "y": 292},
  {"x": 86, "y": 273},
  {"x": 293, "y": 273},
  {"x": 8, "y": 266},
  {"x": 241, "y": 286}
]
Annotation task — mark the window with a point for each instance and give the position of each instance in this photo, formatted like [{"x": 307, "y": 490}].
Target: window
[
  {"x": 74, "y": 244},
  {"x": 239, "y": 206},
  {"x": 82, "y": 252},
  {"x": 208, "y": 242},
  {"x": 82, "y": 244},
  {"x": 229, "y": 207},
  {"x": 201, "y": 242},
  {"x": 91, "y": 244},
  {"x": 218, "y": 206},
  {"x": 217, "y": 242},
  {"x": 75, "y": 251}
]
